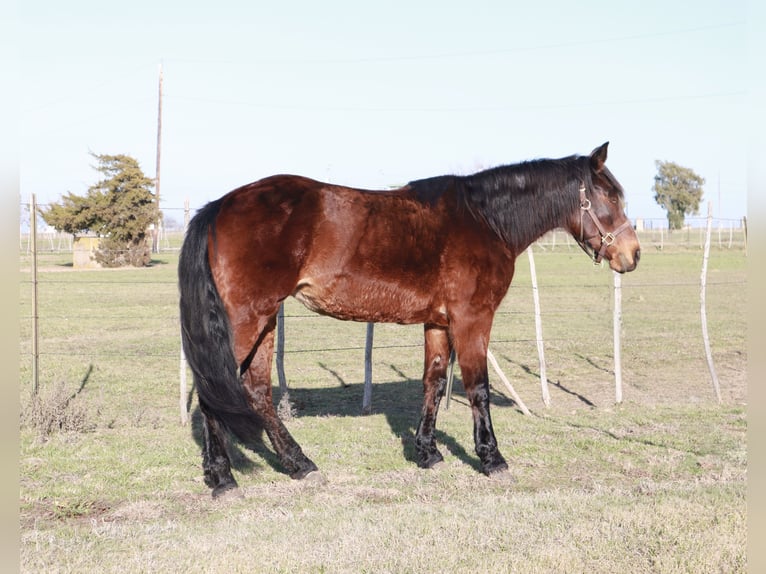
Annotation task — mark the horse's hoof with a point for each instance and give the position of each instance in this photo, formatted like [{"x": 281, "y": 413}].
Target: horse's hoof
[
  {"x": 304, "y": 471},
  {"x": 431, "y": 460},
  {"x": 493, "y": 465}
]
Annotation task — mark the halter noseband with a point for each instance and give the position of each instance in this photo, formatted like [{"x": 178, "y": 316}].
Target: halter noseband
[{"x": 607, "y": 237}]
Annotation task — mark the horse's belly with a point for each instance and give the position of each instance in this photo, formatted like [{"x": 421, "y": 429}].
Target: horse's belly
[{"x": 372, "y": 302}]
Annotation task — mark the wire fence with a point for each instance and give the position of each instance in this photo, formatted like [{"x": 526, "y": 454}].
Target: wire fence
[{"x": 107, "y": 317}]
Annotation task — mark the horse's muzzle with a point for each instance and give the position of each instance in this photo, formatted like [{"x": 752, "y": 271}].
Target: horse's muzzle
[{"x": 623, "y": 264}]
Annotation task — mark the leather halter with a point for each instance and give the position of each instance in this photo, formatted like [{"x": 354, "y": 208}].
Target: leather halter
[{"x": 607, "y": 237}]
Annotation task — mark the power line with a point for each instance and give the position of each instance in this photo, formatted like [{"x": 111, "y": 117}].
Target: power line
[
  {"x": 466, "y": 54},
  {"x": 444, "y": 109}
]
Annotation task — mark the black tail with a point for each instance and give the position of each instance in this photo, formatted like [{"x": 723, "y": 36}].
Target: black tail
[{"x": 206, "y": 334}]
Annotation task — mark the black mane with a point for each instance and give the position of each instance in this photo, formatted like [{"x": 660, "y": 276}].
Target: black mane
[
  {"x": 431, "y": 189},
  {"x": 519, "y": 202}
]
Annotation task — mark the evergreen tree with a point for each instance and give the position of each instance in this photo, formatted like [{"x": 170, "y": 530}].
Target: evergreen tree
[{"x": 119, "y": 209}]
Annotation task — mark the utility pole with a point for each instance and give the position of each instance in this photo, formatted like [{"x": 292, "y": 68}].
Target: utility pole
[{"x": 158, "y": 225}]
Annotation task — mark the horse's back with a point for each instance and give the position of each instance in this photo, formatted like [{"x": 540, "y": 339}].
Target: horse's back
[{"x": 335, "y": 248}]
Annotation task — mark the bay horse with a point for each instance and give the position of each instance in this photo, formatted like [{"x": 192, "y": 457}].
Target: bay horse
[{"x": 438, "y": 252}]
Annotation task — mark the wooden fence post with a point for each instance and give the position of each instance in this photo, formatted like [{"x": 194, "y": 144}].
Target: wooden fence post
[
  {"x": 187, "y": 214},
  {"x": 285, "y": 410},
  {"x": 539, "y": 330},
  {"x": 35, "y": 332},
  {"x": 703, "y": 312},
  {"x": 617, "y": 328},
  {"x": 367, "y": 396},
  {"x": 281, "y": 351},
  {"x": 450, "y": 379}
]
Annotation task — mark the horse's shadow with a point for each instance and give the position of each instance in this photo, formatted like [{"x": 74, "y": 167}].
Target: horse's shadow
[
  {"x": 528, "y": 370},
  {"x": 399, "y": 401}
]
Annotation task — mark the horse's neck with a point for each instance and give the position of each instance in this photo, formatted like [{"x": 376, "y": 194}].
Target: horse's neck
[{"x": 520, "y": 211}]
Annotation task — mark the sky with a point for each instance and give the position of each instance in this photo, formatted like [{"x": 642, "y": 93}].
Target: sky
[{"x": 377, "y": 94}]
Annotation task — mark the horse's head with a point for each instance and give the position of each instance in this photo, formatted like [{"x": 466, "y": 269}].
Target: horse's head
[{"x": 600, "y": 226}]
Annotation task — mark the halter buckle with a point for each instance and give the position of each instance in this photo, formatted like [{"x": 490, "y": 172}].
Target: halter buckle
[
  {"x": 607, "y": 239},
  {"x": 585, "y": 204}
]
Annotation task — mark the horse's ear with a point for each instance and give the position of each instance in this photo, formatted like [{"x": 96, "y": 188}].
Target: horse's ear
[{"x": 598, "y": 157}]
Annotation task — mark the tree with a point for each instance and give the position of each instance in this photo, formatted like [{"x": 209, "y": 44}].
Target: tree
[
  {"x": 678, "y": 190},
  {"x": 119, "y": 209}
]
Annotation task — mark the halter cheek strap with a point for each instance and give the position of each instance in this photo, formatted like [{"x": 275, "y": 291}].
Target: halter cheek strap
[{"x": 607, "y": 237}]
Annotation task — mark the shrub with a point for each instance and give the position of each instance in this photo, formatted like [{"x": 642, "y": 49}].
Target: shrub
[
  {"x": 113, "y": 253},
  {"x": 58, "y": 410}
]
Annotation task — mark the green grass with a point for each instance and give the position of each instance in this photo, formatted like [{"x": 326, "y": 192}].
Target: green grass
[{"x": 656, "y": 484}]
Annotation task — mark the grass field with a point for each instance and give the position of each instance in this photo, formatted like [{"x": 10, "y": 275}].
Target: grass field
[{"x": 655, "y": 484}]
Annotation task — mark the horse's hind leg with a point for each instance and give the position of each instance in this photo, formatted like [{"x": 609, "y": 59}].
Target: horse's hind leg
[
  {"x": 257, "y": 381},
  {"x": 215, "y": 460},
  {"x": 437, "y": 352}
]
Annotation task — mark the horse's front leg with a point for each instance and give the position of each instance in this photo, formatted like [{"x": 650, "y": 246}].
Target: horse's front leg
[
  {"x": 437, "y": 352},
  {"x": 471, "y": 346}
]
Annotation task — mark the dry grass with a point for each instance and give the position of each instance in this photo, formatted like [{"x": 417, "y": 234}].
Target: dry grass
[
  {"x": 578, "y": 504},
  {"x": 654, "y": 485}
]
